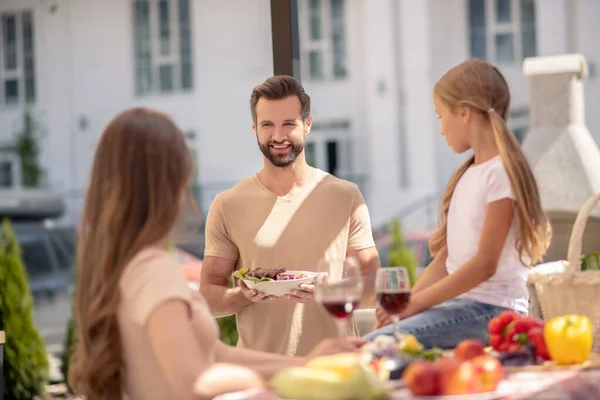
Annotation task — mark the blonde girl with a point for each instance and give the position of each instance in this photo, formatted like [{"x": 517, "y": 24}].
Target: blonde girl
[{"x": 492, "y": 225}]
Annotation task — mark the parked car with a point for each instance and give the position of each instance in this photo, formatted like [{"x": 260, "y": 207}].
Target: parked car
[
  {"x": 191, "y": 266},
  {"x": 48, "y": 256},
  {"x": 33, "y": 205}
]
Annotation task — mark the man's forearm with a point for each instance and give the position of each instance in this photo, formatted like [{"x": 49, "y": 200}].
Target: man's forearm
[
  {"x": 369, "y": 272},
  {"x": 224, "y": 301},
  {"x": 368, "y": 300}
]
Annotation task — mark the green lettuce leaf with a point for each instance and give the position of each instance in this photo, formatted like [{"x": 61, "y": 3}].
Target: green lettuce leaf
[
  {"x": 591, "y": 262},
  {"x": 241, "y": 274}
]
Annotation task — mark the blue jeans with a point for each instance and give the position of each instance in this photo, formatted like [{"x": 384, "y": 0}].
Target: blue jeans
[{"x": 446, "y": 324}]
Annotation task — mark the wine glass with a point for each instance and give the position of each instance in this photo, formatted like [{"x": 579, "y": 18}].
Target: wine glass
[
  {"x": 392, "y": 287},
  {"x": 339, "y": 289}
]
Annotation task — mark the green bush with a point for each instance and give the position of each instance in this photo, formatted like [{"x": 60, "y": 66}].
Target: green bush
[
  {"x": 399, "y": 255},
  {"x": 228, "y": 326},
  {"x": 26, "y": 368},
  {"x": 228, "y": 330},
  {"x": 28, "y": 148},
  {"x": 68, "y": 348}
]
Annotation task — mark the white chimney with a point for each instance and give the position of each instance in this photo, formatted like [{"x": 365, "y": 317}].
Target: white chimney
[{"x": 563, "y": 154}]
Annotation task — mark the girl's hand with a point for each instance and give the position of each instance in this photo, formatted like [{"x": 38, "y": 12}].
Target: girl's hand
[{"x": 383, "y": 318}]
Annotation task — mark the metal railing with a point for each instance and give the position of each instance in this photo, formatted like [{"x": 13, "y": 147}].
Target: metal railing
[{"x": 421, "y": 214}]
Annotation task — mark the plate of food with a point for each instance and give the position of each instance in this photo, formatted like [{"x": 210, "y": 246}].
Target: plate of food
[{"x": 274, "y": 281}]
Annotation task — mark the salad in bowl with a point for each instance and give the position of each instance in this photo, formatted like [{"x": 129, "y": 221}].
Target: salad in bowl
[{"x": 274, "y": 281}]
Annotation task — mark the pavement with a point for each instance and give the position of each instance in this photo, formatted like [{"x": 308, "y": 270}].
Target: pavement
[{"x": 51, "y": 315}]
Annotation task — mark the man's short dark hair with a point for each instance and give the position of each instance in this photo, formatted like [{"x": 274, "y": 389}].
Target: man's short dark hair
[{"x": 279, "y": 87}]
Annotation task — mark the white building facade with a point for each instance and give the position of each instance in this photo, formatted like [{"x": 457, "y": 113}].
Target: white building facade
[{"x": 369, "y": 66}]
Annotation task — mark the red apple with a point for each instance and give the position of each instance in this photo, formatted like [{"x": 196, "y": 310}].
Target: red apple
[
  {"x": 456, "y": 376},
  {"x": 421, "y": 378},
  {"x": 468, "y": 349},
  {"x": 488, "y": 373}
]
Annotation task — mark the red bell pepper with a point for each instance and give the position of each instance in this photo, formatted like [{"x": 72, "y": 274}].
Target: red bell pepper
[
  {"x": 517, "y": 331},
  {"x": 536, "y": 337},
  {"x": 527, "y": 331},
  {"x": 497, "y": 330}
]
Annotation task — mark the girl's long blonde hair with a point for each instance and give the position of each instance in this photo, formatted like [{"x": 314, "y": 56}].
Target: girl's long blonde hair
[
  {"x": 140, "y": 170},
  {"x": 482, "y": 87}
]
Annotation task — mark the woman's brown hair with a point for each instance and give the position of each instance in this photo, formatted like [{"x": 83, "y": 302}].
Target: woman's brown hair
[
  {"x": 141, "y": 168},
  {"x": 482, "y": 87}
]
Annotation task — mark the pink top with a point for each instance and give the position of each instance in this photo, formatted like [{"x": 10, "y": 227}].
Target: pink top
[{"x": 152, "y": 277}]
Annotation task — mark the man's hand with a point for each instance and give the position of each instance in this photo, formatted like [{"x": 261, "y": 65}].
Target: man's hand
[
  {"x": 306, "y": 294},
  {"x": 337, "y": 345},
  {"x": 383, "y": 318},
  {"x": 254, "y": 295}
]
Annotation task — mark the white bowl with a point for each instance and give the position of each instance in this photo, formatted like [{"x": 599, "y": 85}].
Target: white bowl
[{"x": 281, "y": 288}]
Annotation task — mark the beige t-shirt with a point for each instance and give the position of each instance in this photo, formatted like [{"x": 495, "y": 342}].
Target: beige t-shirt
[
  {"x": 151, "y": 278},
  {"x": 252, "y": 225}
]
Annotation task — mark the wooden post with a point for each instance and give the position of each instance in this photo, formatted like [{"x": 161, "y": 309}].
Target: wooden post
[
  {"x": 286, "y": 44},
  {"x": 2, "y": 340}
]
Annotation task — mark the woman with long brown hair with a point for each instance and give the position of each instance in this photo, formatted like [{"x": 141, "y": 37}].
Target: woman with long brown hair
[
  {"x": 143, "y": 334},
  {"x": 492, "y": 225}
]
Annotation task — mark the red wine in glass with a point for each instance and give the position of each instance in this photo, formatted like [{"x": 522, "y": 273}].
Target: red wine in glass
[
  {"x": 392, "y": 286},
  {"x": 393, "y": 301},
  {"x": 339, "y": 289},
  {"x": 339, "y": 309}
]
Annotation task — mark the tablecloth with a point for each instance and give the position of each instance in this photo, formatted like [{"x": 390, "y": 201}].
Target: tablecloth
[{"x": 547, "y": 385}]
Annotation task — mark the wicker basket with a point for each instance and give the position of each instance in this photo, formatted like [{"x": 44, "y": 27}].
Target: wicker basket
[{"x": 574, "y": 291}]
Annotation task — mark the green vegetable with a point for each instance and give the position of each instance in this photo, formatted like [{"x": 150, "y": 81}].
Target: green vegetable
[
  {"x": 241, "y": 274},
  {"x": 590, "y": 262},
  {"x": 425, "y": 354}
]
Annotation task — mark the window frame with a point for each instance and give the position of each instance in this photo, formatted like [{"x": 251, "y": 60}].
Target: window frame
[
  {"x": 322, "y": 45},
  {"x": 17, "y": 73},
  {"x": 493, "y": 28},
  {"x": 157, "y": 58}
]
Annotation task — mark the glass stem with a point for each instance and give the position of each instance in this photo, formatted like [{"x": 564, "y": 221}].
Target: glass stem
[
  {"x": 341, "y": 327},
  {"x": 395, "y": 320}
]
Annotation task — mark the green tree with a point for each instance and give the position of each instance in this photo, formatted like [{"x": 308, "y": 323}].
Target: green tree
[
  {"x": 27, "y": 147},
  {"x": 399, "y": 255},
  {"x": 68, "y": 348},
  {"x": 26, "y": 368}
]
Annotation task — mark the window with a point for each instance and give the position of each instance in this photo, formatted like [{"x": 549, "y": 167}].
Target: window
[
  {"x": 502, "y": 31},
  {"x": 163, "y": 46},
  {"x": 6, "y": 174},
  {"x": 17, "y": 71},
  {"x": 323, "y": 39},
  {"x": 338, "y": 38},
  {"x": 329, "y": 152},
  {"x": 309, "y": 151}
]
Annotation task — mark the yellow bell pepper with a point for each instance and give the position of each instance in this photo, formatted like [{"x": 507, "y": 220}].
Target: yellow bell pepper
[{"x": 569, "y": 339}]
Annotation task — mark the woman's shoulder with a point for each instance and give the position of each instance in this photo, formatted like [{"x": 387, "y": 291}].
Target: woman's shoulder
[
  {"x": 149, "y": 279},
  {"x": 148, "y": 264},
  {"x": 151, "y": 254}
]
